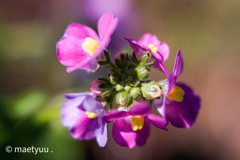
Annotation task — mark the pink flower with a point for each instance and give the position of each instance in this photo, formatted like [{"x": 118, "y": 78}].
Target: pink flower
[
  {"x": 81, "y": 48},
  {"x": 149, "y": 43}
]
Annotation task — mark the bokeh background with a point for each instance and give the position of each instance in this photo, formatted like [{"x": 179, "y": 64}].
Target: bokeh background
[{"x": 32, "y": 80}]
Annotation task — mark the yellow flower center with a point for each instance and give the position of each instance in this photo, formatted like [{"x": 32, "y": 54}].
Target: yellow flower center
[
  {"x": 91, "y": 114},
  {"x": 153, "y": 48},
  {"x": 90, "y": 45},
  {"x": 176, "y": 94},
  {"x": 137, "y": 122}
]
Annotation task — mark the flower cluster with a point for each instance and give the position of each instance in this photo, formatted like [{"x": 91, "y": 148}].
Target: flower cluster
[{"x": 87, "y": 114}]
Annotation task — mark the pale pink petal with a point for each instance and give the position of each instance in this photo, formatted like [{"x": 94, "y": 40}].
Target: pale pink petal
[
  {"x": 81, "y": 31},
  {"x": 106, "y": 26}
]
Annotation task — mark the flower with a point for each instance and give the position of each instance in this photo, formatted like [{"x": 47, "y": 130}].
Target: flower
[
  {"x": 83, "y": 115},
  {"x": 149, "y": 43},
  {"x": 180, "y": 105},
  {"x": 131, "y": 128},
  {"x": 81, "y": 48}
]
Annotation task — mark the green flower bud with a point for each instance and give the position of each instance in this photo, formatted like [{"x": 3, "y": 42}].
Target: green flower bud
[
  {"x": 144, "y": 59},
  {"x": 134, "y": 92},
  {"x": 119, "y": 87},
  {"x": 122, "y": 98},
  {"x": 150, "y": 90},
  {"x": 127, "y": 88},
  {"x": 142, "y": 72},
  {"x": 114, "y": 78}
]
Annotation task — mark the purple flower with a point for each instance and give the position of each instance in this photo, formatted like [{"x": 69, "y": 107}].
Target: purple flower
[
  {"x": 131, "y": 128},
  {"x": 179, "y": 104},
  {"x": 150, "y": 44},
  {"x": 83, "y": 114},
  {"x": 81, "y": 48}
]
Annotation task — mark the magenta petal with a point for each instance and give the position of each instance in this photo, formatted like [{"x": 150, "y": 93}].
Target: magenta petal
[
  {"x": 124, "y": 135},
  {"x": 134, "y": 44},
  {"x": 106, "y": 26},
  {"x": 149, "y": 38},
  {"x": 144, "y": 133},
  {"x": 70, "y": 53},
  {"x": 164, "y": 50},
  {"x": 81, "y": 31},
  {"x": 162, "y": 106},
  {"x": 183, "y": 114},
  {"x": 85, "y": 129},
  {"x": 139, "y": 109},
  {"x": 158, "y": 121},
  {"x": 178, "y": 67},
  {"x": 161, "y": 67},
  {"x": 115, "y": 114}
]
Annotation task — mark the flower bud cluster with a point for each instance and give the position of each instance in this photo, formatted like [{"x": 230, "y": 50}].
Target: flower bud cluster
[{"x": 126, "y": 95}]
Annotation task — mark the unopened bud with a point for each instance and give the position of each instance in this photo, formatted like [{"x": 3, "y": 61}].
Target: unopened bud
[
  {"x": 150, "y": 90},
  {"x": 122, "y": 98},
  {"x": 120, "y": 60},
  {"x": 142, "y": 72},
  {"x": 127, "y": 88},
  {"x": 134, "y": 92},
  {"x": 119, "y": 87},
  {"x": 101, "y": 87},
  {"x": 114, "y": 78}
]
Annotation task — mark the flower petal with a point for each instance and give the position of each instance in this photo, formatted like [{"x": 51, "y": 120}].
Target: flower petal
[
  {"x": 139, "y": 109},
  {"x": 81, "y": 31},
  {"x": 102, "y": 135},
  {"x": 178, "y": 67},
  {"x": 74, "y": 117},
  {"x": 134, "y": 44},
  {"x": 158, "y": 121},
  {"x": 115, "y": 114},
  {"x": 106, "y": 26},
  {"x": 72, "y": 111},
  {"x": 70, "y": 52},
  {"x": 163, "y": 49},
  {"x": 85, "y": 129},
  {"x": 75, "y": 95},
  {"x": 124, "y": 135},
  {"x": 183, "y": 114}
]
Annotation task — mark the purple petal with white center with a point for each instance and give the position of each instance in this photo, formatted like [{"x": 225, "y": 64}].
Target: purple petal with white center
[
  {"x": 183, "y": 114},
  {"x": 124, "y": 135},
  {"x": 115, "y": 114},
  {"x": 140, "y": 108},
  {"x": 158, "y": 121}
]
